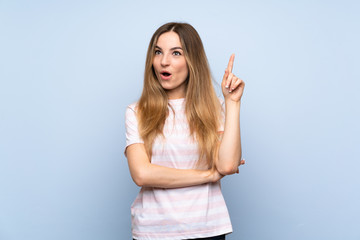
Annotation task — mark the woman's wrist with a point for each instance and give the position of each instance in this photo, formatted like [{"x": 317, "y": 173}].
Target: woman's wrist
[
  {"x": 208, "y": 176},
  {"x": 231, "y": 103},
  {"x": 212, "y": 176}
]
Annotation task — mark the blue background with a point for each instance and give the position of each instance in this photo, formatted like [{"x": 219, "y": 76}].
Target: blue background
[{"x": 68, "y": 69}]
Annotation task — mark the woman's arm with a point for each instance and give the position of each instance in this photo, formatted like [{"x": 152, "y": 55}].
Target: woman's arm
[
  {"x": 230, "y": 147},
  {"x": 146, "y": 174}
]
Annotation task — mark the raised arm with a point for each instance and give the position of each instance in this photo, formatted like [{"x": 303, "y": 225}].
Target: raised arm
[
  {"x": 144, "y": 173},
  {"x": 230, "y": 146}
]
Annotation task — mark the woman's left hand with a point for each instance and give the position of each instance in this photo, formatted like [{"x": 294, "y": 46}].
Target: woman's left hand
[
  {"x": 242, "y": 162},
  {"x": 232, "y": 86}
]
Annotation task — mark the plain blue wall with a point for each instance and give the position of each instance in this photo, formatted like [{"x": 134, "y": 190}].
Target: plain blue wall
[{"x": 68, "y": 69}]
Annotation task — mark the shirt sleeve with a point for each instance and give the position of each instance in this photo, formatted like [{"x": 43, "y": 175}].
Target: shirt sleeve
[{"x": 131, "y": 125}]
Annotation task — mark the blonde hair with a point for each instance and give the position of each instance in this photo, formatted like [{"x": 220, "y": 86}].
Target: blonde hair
[{"x": 202, "y": 106}]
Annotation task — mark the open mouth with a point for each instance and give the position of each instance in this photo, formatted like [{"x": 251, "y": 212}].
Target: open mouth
[{"x": 165, "y": 74}]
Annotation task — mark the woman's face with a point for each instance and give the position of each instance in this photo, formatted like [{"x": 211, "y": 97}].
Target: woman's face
[{"x": 170, "y": 65}]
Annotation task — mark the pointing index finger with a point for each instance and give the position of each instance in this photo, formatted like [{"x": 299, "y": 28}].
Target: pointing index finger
[{"x": 231, "y": 63}]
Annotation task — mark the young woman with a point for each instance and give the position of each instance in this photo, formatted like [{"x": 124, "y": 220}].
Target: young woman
[{"x": 181, "y": 140}]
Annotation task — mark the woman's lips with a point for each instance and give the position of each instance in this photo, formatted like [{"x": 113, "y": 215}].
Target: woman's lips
[{"x": 165, "y": 75}]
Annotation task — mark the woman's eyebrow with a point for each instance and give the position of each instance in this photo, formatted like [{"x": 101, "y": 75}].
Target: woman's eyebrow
[
  {"x": 176, "y": 48},
  {"x": 170, "y": 48}
]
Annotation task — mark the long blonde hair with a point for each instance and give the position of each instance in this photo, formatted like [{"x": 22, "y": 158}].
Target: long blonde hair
[{"x": 202, "y": 106}]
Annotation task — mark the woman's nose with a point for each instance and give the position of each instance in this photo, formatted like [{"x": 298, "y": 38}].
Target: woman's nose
[{"x": 165, "y": 61}]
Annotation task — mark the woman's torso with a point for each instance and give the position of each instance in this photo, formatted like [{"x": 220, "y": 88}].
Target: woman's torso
[{"x": 180, "y": 213}]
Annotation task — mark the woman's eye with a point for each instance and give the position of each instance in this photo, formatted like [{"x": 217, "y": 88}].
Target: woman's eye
[
  {"x": 176, "y": 53},
  {"x": 157, "y": 52}
]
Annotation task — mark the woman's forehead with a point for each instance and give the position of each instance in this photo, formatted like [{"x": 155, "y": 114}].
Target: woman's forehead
[{"x": 168, "y": 40}]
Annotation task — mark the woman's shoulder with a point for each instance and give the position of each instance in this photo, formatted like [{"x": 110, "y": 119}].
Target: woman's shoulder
[
  {"x": 131, "y": 111},
  {"x": 132, "y": 106}
]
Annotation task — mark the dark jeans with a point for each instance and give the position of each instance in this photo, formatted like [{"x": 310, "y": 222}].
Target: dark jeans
[{"x": 221, "y": 237}]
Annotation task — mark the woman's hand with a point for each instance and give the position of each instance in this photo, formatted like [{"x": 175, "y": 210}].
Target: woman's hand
[
  {"x": 216, "y": 175},
  {"x": 242, "y": 162},
  {"x": 232, "y": 86}
]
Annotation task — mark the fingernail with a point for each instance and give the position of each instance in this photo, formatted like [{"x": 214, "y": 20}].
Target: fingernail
[
  {"x": 230, "y": 91},
  {"x": 227, "y": 86}
]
